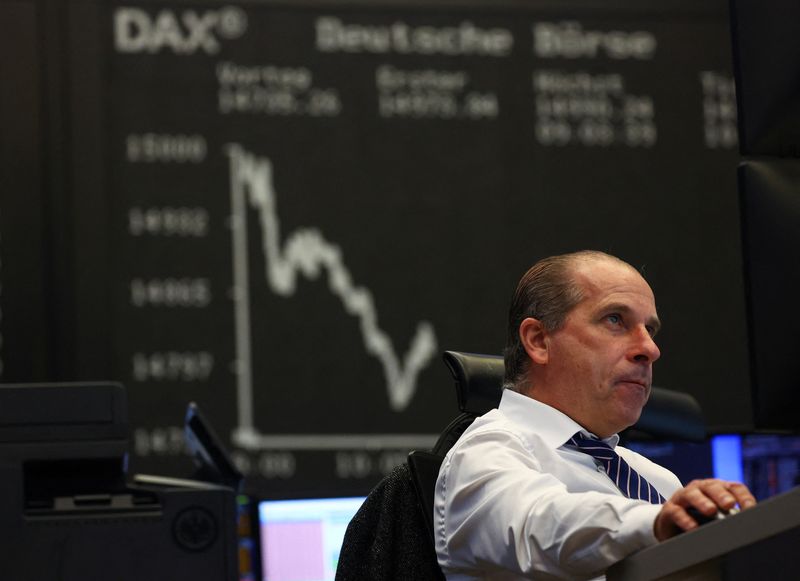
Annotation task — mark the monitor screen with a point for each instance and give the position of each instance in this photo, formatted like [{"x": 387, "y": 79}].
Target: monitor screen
[
  {"x": 766, "y": 64},
  {"x": 248, "y": 535},
  {"x": 769, "y": 190},
  {"x": 301, "y": 539},
  {"x": 768, "y": 464}
]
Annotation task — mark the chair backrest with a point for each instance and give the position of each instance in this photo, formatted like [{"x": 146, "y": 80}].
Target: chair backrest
[
  {"x": 479, "y": 380},
  {"x": 671, "y": 415},
  {"x": 424, "y": 468}
]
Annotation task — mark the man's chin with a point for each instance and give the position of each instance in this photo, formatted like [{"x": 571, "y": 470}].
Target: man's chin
[{"x": 633, "y": 403}]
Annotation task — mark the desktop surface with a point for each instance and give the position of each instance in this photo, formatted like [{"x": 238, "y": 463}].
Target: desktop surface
[{"x": 758, "y": 543}]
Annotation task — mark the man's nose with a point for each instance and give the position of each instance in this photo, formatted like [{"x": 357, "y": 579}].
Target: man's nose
[{"x": 644, "y": 348}]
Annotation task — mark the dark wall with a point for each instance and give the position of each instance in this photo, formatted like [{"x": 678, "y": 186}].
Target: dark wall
[
  {"x": 287, "y": 211},
  {"x": 23, "y": 262}
]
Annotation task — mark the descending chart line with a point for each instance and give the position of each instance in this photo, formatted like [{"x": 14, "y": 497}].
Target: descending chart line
[{"x": 305, "y": 252}]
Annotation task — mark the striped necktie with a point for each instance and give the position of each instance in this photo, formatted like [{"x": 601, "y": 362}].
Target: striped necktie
[{"x": 630, "y": 482}]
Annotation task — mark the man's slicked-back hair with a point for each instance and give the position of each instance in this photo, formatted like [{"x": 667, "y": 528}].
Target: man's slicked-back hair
[{"x": 547, "y": 292}]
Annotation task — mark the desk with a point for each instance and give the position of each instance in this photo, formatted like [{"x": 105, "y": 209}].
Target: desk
[{"x": 760, "y": 543}]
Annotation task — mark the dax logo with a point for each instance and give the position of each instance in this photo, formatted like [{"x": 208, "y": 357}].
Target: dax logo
[{"x": 183, "y": 32}]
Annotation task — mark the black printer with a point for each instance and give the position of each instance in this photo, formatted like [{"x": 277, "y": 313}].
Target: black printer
[{"x": 69, "y": 512}]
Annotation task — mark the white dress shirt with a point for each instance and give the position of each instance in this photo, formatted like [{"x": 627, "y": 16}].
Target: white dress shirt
[{"x": 513, "y": 502}]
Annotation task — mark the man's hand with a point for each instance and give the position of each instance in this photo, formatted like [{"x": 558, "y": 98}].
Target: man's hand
[{"x": 707, "y": 496}]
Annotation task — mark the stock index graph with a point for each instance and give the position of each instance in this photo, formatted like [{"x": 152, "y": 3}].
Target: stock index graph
[
  {"x": 286, "y": 213},
  {"x": 306, "y": 252}
]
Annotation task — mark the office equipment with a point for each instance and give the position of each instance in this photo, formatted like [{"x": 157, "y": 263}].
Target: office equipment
[
  {"x": 68, "y": 511},
  {"x": 768, "y": 463},
  {"x": 769, "y": 190},
  {"x": 249, "y": 538},
  {"x": 302, "y": 538},
  {"x": 212, "y": 460},
  {"x": 766, "y": 58}
]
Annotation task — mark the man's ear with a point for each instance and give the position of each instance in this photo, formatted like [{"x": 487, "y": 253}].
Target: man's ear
[{"x": 534, "y": 339}]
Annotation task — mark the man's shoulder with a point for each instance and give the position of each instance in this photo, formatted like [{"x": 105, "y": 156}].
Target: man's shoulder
[
  {"x": 493, "y": 422},
  {"x": 490, "y": 431}
]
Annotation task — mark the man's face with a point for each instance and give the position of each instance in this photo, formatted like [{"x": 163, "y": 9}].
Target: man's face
[{"x": 600, "y": 362}]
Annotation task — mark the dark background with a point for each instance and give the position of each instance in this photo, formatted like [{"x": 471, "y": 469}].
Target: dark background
[{"x": 436, "y": 217}]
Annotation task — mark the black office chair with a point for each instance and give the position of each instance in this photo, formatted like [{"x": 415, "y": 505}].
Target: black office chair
[
  {"x": 479, "y": 385},
  {"x": 387, "y": 537}
]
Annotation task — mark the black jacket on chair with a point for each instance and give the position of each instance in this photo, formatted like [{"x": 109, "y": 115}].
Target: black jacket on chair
[{"x": 388, "y": 539}]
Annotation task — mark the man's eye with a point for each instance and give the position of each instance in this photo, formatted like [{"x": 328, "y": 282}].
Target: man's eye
[{"x": 614, "y": 319}]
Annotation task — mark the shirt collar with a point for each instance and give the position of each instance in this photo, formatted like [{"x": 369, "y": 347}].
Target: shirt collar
[{"x": 551, "y": 425}]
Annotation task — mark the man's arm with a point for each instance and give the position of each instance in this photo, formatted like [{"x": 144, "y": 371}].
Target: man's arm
[{"x": 497, "y": 510}]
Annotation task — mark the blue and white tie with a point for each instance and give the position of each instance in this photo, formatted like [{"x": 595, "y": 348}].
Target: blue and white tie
[{"x": 631, "y": 483}]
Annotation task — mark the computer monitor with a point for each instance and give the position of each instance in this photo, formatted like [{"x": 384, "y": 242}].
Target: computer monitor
[
  {"x": 766, "y": 58},
  {"x": 249, "y": 538},
  {"x": 301, "y": 539},
  {"x": 770, "y": 208},
  {"x": 211, "y": 458},
  {"x": 768, "y": 464}
]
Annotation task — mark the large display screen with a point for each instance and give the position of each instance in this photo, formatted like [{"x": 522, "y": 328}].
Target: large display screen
[{"x": 285, "y": 212}]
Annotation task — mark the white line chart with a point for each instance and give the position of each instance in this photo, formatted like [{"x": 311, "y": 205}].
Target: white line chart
[{"x": 305, "y": 252}]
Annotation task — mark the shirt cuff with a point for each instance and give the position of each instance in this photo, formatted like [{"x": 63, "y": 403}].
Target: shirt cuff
[{"x": 639, "y": 523}]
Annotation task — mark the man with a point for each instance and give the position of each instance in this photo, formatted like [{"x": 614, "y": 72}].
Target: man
[{"x": 528, "y": 491}]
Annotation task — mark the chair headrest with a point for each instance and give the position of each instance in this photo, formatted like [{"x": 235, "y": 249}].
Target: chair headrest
[
  {"x": 479, "y": 380},
  {"x": 672, "y": 414},
  {"x": 479, "y": 386}
]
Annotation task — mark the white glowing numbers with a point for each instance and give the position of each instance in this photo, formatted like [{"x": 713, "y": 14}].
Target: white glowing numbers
[
  {"x": 273, "y": 90},
  {"x": 184, "y": 366},
  {"x": 160, "y": 441},
  {"x": 165, "y": 148},
  {"x": 171, "y": 292},
  {"x": 431, "y": 94},
  {"x": 168, "y": 221},
  {"x": 719, "y": 110},
  {"x": 363, "y": 464},
  {"x": 591, "y": 110}
]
